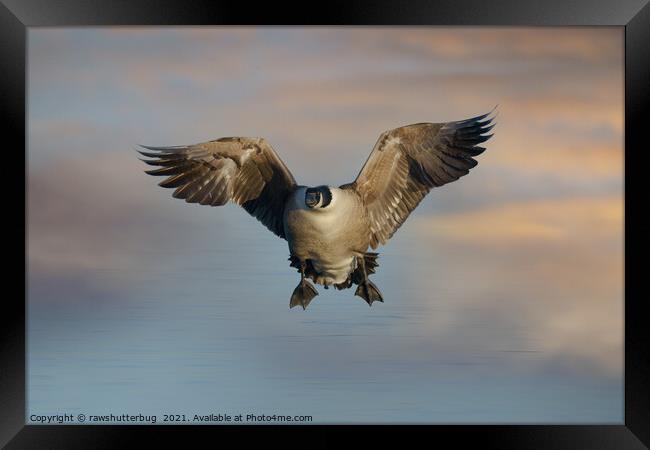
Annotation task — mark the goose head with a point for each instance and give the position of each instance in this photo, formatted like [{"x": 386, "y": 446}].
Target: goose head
[{"x": 318, "y": 197}]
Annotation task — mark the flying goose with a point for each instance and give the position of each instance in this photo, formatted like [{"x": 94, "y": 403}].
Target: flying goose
[{"x": 328, "y": 229}]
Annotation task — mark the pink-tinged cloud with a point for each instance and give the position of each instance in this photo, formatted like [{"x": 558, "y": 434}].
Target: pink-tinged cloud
[{"x": 555, "y": 265}]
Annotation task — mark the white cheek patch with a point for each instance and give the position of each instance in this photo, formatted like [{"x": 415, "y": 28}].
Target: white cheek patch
[{"x": 331, "y": 202}]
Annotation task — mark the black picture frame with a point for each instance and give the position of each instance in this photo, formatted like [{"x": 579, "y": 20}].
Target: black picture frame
[{"x": 17, "y": 15}]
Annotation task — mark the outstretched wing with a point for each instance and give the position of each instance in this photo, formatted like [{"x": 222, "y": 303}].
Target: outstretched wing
[
  {"x": 407, "y": 162},
  {"x": 244, "y": 170}
]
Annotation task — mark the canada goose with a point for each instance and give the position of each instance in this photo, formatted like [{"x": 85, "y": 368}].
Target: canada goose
[{"x": 329, "y": 229}]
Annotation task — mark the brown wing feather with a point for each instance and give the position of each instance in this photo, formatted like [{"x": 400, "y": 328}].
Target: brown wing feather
[
  {"x": 244, "y": 170},
  {"x": 407, "y": 162}
]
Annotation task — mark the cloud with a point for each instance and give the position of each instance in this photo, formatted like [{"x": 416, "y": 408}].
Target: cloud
[
  {"x": 575, "y": 219},
  {"x": 539, "y": 44},
  {"x": 555, "y": 265},
  {"x": 102, "y": 213}
]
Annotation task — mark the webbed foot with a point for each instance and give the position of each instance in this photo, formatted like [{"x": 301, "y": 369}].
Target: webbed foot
[
  {"x": 369, "y": 292},
  {"x": 303, "y": 294}
]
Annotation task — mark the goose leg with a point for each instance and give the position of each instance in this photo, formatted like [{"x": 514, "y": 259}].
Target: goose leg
[
  {"x": 367, "y": 289},
  {"x": 304, "y": 292}
]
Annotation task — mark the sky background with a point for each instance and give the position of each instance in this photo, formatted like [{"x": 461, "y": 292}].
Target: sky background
[{"x": 503, "y": 291}]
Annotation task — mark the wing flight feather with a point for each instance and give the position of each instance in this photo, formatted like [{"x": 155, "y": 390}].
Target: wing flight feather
[
  {"x": 407, "y": 162},
  {"x": 244, "y": 170}
]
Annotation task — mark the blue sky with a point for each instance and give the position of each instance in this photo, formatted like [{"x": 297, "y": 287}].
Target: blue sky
[{"x": 514, "y": 272}]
